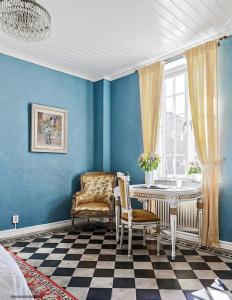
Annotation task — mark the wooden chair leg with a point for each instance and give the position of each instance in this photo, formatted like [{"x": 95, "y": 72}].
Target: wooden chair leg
[
  {"x": 129, "y": 242},
  {"x": 111, "y": 223},
  {"x": 144, "y": 235},
  {"x": 73, "y": 224},
  {"x": 122, "y": 234},
  {"x": 158, "y": 238}
]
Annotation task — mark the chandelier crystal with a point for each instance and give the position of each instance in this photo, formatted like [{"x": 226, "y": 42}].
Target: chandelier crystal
[{"x": 25, "y": 20}]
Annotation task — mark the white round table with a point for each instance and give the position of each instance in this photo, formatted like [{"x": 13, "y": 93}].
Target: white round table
[{"x": 165, "y": 191}]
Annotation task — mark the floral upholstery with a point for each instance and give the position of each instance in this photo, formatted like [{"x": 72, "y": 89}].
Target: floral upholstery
[
  {"x": 96, "y": 187},
  {"x": 96, "y": 195}
]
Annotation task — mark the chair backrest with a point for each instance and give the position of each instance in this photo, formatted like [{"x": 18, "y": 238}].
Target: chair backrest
[
  {"x": 123, "y": 182},
  {"x": 95, "y": 184}
]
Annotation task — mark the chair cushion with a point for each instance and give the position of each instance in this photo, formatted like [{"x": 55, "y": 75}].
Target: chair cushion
[
  {"x": 95, "y": 185},
  {"x": 98, "y": 199},
  {"x": 92, "y": 207},
  {"x": 140, "y": 215}
]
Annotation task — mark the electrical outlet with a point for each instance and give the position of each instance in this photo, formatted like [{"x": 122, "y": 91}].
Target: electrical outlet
[{"x": 15, "y": 219}]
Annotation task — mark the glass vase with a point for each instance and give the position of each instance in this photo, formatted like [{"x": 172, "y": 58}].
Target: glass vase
[{"x": 149, "y": 178}]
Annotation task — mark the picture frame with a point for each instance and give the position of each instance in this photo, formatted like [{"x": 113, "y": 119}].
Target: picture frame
[{"x": 48, "y": 129}]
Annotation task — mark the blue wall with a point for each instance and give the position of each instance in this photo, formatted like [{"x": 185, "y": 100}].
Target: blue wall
[
  {"x": 102, "y": 121},
  {"x": 126, "y": 132},
  {"x": 225, "y": 118},
  {"x": 38, "y": 186},
  {"x": 98, "y": 128},
  {"x": 107, "y": 125}
]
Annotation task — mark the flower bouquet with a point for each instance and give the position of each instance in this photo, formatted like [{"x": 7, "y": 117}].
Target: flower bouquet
[
  {"x": 195, "y": 171},
  {"x": 148, "y": 162}
]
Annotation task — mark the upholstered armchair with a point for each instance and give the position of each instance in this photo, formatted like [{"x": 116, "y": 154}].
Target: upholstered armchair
[{"x": 96, "y": 198}]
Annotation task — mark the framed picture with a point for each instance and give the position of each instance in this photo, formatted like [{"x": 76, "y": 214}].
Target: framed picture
[{"x": 49, "y": 129}]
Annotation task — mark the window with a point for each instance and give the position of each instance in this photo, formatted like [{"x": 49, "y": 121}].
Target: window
[{"x": 176, "y": 143}]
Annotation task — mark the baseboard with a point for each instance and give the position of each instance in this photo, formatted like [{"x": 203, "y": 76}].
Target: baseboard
[
  {"x": 12, "y": 233},
  {"x": 226, "y": 245},
  {"x": 183, "y": 235},
  {"x": 194, "y": 239}
]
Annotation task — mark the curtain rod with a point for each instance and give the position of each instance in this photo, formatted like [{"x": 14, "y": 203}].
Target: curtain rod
[
  {"x": 225, "y": 37},
  {"x": 174, "y": 58},
  {"x": 179, "y": 53}
]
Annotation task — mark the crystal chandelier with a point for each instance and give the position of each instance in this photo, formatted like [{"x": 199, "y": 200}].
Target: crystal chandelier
[{"x": 24, "y": 20}]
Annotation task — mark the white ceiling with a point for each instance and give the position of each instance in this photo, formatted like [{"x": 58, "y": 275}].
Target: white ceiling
[{"x": 97, "y": 39}]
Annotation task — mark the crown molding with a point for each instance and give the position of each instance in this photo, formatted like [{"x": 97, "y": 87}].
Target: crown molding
[
  {"x": 114, "y": 75},
  {"x": 27, "y": 58},
  {"x": 165, "y": 57}
]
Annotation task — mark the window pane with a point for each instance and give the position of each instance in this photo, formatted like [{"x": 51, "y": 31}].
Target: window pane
[
  {"x": 180, "y": 126},
  {"x": 179, "y": 83},
  {"x": 180, "y": 104},
  {"x": 180, "y": 165},
  {"x": 169, "y": 145},
  {"x": 180, "y": 145},
  {"x": 169, "y": 87},
  {"x": 169, "y": 125},
  {"x": 177, "y": 145},
  {"x": 169, "y": 165},
  {"x": 169, "y": 104}
]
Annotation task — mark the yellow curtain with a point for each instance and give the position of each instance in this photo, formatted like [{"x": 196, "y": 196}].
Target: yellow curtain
[
  {"x": 150, "y": 81},
  {"x": 202, "y": 78}
]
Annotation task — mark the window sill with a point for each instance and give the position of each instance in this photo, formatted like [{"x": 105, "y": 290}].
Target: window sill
[{"x": 183, "y": 179}]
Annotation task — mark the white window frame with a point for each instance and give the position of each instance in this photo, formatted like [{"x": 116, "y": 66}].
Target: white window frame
[{"x": 190, "y": 147}]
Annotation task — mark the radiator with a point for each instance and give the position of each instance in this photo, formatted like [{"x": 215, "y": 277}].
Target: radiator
[{"x": 186, "y": 217}]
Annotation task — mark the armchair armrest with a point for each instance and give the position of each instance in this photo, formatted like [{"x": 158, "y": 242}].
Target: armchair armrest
[{"x": 75, "y": 198}]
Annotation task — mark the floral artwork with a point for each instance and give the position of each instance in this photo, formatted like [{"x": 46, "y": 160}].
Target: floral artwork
[{"x": 49, "y": 129}]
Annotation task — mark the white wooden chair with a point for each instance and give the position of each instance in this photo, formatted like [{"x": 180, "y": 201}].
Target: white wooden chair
[{"x": 134, "y": 217}]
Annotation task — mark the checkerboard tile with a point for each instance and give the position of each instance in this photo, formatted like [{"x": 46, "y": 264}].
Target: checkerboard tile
[{"x": 90, "y": 265}]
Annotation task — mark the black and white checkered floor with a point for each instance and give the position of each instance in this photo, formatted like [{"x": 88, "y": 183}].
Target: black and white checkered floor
[{"x": 91, "y": 265}]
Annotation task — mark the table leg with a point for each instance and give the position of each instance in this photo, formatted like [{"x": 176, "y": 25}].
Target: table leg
[
  {"x": 147, "y": 230},
  {"x": 145, "y": 205},
  {"x": 199, "y": 219},
  {"x": 117, "y": 216},
  {"x": 173, "y": 219}
]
